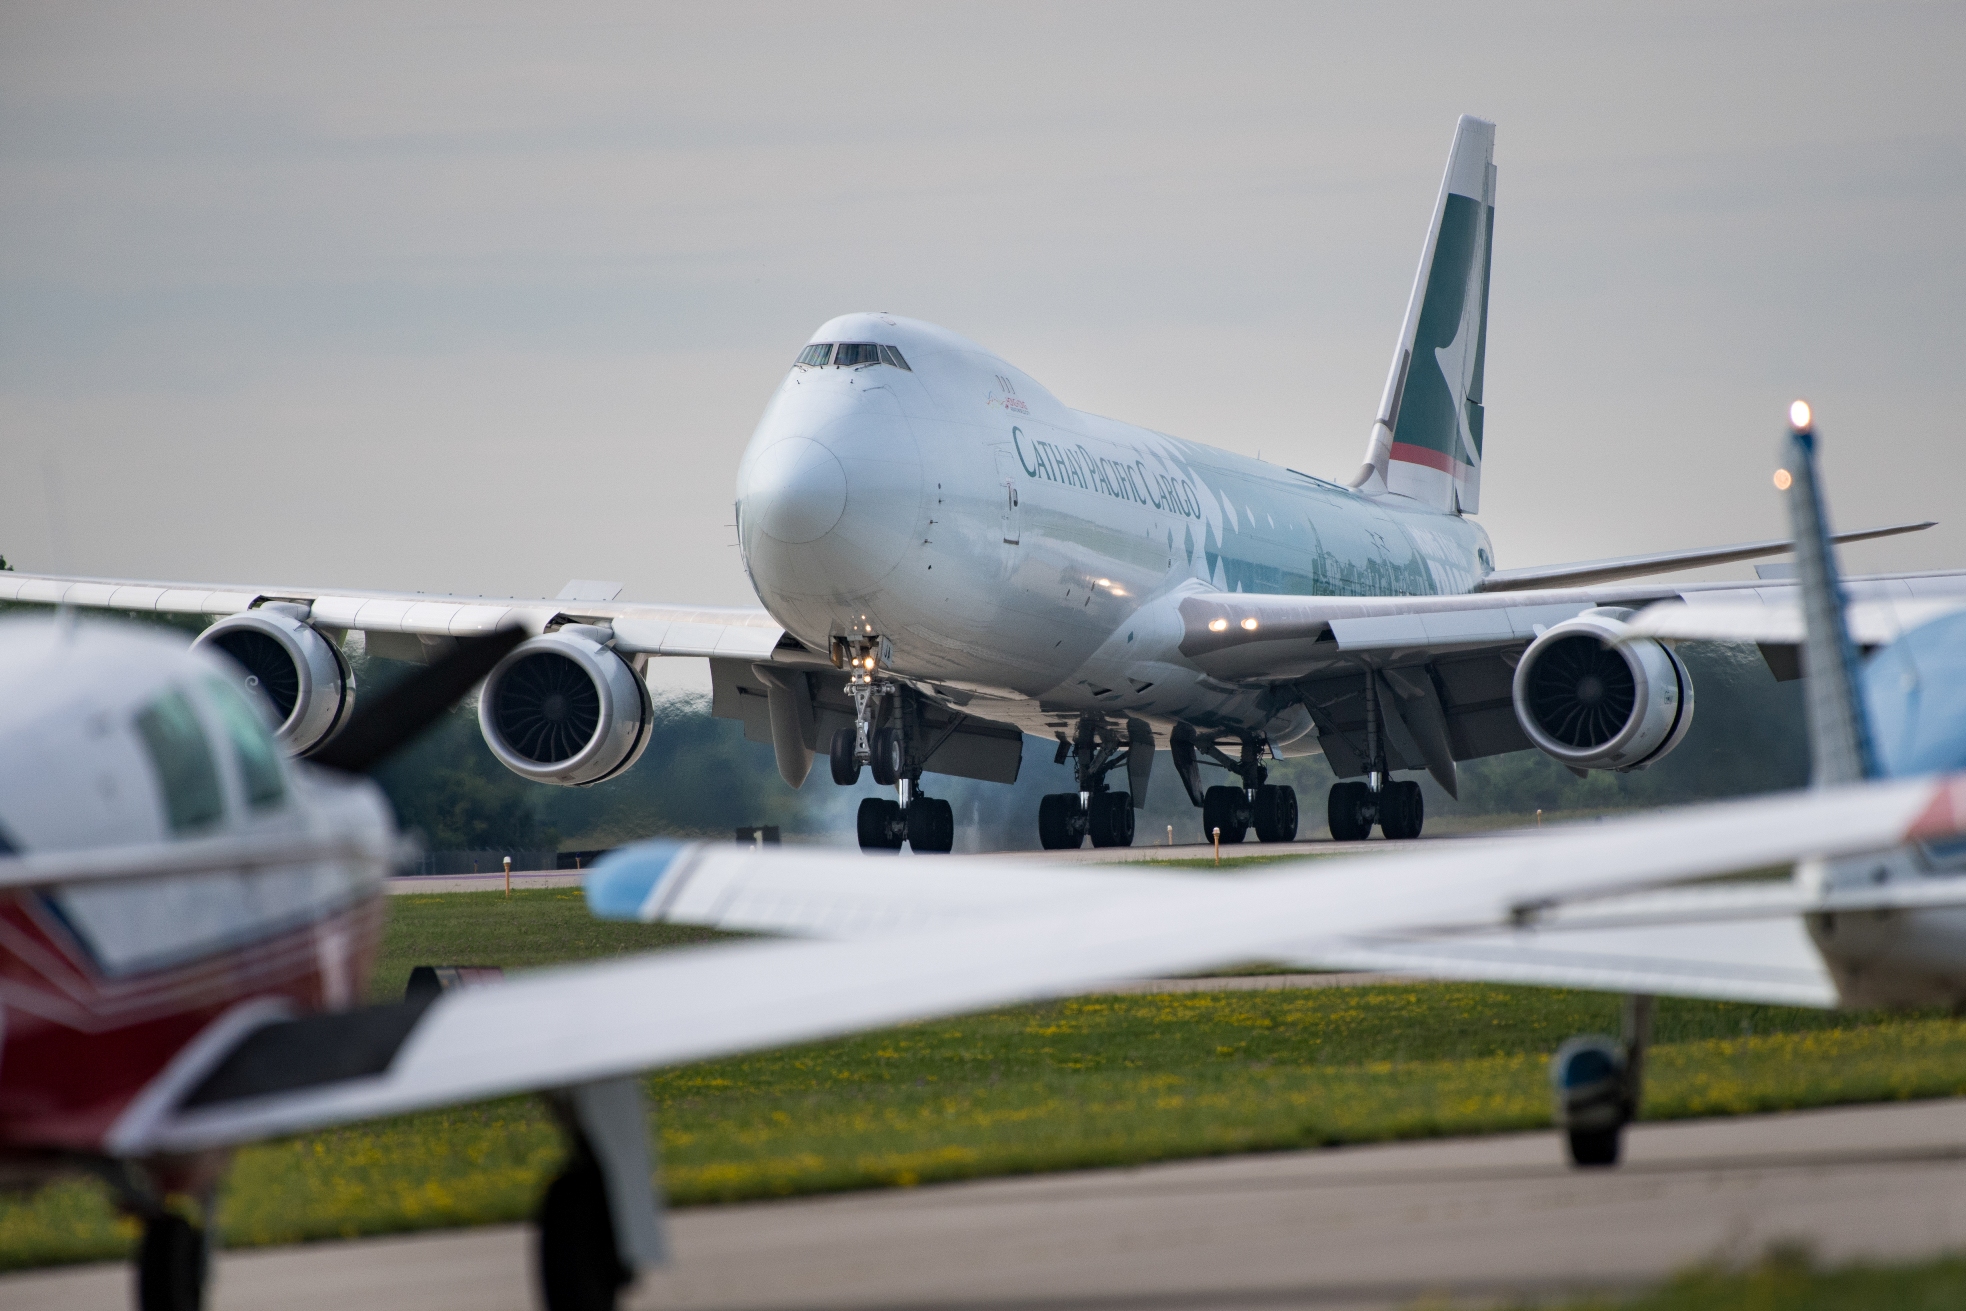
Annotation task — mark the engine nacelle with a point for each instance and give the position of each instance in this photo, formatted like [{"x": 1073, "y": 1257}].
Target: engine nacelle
[
  {"x": 294, "y": 666},
  {"x": 565, "y": 709},
  {"x": 1593, "y": 702}
]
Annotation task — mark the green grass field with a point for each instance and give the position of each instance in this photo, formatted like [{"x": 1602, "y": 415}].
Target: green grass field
[{"x": 1092, "y": 1081}]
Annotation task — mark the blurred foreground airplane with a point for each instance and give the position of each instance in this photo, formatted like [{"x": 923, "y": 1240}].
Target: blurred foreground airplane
[{"x": 187, "y": 920}]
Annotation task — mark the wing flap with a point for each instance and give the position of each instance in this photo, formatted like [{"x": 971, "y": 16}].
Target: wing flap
[{"x": 1769, "y": 961}]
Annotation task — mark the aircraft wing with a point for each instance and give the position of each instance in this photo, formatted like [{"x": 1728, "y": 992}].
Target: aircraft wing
[
  {"x": 562, "y": 1027},
  {"x": 1583, "y": 573},
  {"x": 1725, "y": 942},
  {"x": 1445, "y": 665},
  {"x": 1779, "y": 622},
  {"x": 639, "y": 628}
]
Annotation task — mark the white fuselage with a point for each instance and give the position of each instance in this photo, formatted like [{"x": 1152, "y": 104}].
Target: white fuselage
[{"x": 1002, "y": 543}]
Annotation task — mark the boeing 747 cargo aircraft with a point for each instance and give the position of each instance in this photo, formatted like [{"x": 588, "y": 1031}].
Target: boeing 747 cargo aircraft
[{"x": 951, "y": 560}]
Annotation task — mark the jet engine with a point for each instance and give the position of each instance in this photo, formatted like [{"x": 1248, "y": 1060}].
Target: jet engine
[
  {"x": 294, "y": 666},
  {"x": 1596, "y": 703},
  {"x": 565, "y": 709}
]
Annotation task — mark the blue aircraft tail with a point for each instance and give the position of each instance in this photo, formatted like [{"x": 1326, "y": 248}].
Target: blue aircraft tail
[{"x": 1840, "y": 743}]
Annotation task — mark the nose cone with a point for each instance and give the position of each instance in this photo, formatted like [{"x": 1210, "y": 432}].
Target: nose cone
[
  {"x": 830, "y": 497},
  {"x": 798, "y": 491}
]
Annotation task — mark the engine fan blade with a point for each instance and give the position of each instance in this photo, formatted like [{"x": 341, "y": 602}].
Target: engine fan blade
[{"x": 378, "y": 729}]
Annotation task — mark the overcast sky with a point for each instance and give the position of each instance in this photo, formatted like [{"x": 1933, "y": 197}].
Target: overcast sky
[{"x": 479, "y": 299}]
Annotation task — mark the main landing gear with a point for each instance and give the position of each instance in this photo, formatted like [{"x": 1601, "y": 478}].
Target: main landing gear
[
  {"x": 1394, "y": 804},
  {"x": 1397, "y": 807},
  {"x": 1596, "y": 1084},
  {"x": 173, "y": 1258},
  {"x": 1269, "y": 808},
  {"x": 1067, "y": 819},
  {"x": 884, "y": 738}
]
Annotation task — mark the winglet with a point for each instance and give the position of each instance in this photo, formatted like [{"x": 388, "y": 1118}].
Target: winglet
[{"x": 1839, "y": 727}]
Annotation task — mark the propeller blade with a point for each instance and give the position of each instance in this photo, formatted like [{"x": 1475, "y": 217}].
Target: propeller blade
[{"x": 381, "y": 727}]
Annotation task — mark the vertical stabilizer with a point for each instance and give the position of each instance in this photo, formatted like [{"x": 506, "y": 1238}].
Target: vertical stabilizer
[
  {"x": 1839, "y": 727},
  {"x": 1426, "y": 441}
]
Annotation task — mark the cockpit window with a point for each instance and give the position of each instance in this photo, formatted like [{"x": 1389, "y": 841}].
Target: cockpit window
[
  {"x": 252, "y": 745},
  {"x": 183, "y": 761},
  {"x": 851, "y": 354}
]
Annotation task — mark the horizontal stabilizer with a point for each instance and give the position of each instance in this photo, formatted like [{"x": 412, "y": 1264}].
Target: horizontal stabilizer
[{"x": 1583, "y": 573}]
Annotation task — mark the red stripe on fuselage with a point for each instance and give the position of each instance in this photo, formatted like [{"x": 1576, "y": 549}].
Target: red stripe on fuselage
[{"x": 74, "y": 1057}]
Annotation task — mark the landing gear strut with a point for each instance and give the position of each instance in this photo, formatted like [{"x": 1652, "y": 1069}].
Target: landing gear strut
[
  {"x": 884, "y": 737},
  {"x": 1066, "y": 819},
  {"x": 172, "y": 1264},
  {"x": 1269, "y": 808},
  {"x": 1596, "y": 1085},
  {"x": 1396, "y": 805}
]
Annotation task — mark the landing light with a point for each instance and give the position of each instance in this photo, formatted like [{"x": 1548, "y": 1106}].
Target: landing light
[
  {"x": 1250, "y": 623},
  {"x": 1782, "y": 480},
  {"x": 1799, "y": 416},
  {"x": 1218, "y": 625}
]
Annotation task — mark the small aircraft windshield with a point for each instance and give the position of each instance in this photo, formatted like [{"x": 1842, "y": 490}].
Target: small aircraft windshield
[
  {"x": 183, "y": 760},
  {"x": 851, "y": 354}
]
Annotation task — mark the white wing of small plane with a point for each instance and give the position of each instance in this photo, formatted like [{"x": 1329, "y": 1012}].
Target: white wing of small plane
[
  {"x": 582, "y": 1024},
  {"x": 639, "y": 629},
  {"x": 1778, "y": 621},
  {"x": 1741, "y": 941}
]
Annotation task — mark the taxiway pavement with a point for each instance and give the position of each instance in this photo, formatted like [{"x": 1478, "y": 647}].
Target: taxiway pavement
[{"x": 1363, "y": 1227}]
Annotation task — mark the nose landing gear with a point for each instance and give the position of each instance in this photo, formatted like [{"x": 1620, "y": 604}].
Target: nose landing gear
[{"x": 891, "y": 751}]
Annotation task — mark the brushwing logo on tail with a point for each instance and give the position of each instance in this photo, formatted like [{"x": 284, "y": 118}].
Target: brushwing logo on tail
[{"x": 1432, "y": 422}]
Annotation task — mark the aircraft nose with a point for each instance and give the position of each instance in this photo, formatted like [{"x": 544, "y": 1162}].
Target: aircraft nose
[
  {"x": 798, "y": 491},
  {"x": 829, "y": 499}
]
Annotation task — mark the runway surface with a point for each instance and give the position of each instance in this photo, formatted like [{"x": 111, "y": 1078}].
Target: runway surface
[
  {"x": 495, "y": 882},
  {"x": 1364, "y": 1227}
]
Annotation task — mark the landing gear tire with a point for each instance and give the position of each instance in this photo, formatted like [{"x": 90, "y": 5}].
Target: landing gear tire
[
  {"x": 1350, "y": 811},
  {"x": 846, "y": 770},
  {"x": 1276, "y": 813},
  {"x": 171, "y": 1265},
  {"x": 1402, "y": 810},
  {"x": 1227, "y": 809},
  {"x": 887, "y": 751},
  {"x": 1061, "y": 822},
  {"x": 931, "y": 825},
  {"x": 1111, "y": 822},
  {"x": 880, "y": 825},
  {"x": 1595, "y": 1147},
  {"x": 579, "y": 1269}
]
